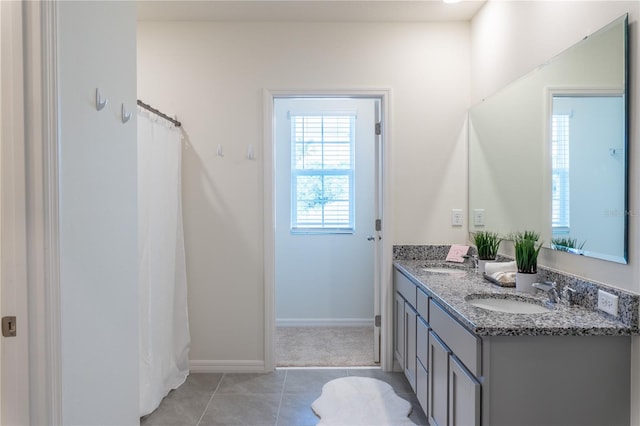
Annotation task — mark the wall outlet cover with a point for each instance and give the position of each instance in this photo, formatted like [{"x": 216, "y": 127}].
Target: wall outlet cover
[{"x": 608, "y": 302}]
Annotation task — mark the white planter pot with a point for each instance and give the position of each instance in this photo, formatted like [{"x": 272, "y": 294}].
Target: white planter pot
[{"x": 524, "y": 281}]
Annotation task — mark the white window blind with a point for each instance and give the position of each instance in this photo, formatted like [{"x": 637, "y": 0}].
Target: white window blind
[
  {"x": 560, "y": 137},
  {"x": 322, "y": 173}
]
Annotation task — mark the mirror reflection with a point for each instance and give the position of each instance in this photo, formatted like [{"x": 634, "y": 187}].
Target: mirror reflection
[{"x": 548, "y": 152}]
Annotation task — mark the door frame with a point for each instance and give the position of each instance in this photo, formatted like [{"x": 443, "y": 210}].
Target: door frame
[
  {"x": 35, "y": 186},
  {"x": 385, "y": 255}
]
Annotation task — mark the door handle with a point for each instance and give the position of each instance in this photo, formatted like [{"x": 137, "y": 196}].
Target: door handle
[{"x": 373, "y": 238}]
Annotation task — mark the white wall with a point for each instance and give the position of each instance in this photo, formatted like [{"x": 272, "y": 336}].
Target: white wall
[
  {"x": 508, "y": 40},
  {"x": 212, "y": 75},
  {"x": 98, "y": 214}
]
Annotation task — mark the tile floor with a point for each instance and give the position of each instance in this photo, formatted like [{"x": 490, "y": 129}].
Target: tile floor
[{"x": 281, "y": 398}]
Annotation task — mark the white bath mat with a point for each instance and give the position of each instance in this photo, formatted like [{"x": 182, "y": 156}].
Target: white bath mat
[{"x": 353, "y": 401}]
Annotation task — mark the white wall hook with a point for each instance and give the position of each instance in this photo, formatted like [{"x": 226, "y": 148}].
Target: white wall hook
[
  {"x": 100, "y": 103},
  {"x": 250, "y": 154},
  {"x": 220, "y": 151},
  {"x": 126, "y": 116}
]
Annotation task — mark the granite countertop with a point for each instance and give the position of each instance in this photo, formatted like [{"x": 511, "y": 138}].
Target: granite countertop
[{"x": 450, "y": 290}]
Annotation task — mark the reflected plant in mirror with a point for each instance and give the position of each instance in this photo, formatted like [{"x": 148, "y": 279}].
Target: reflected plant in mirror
[
  {"x": 549, "y": 151},
  {"x": 487, "y": 244},
  {"x": 568, "y": 244}
]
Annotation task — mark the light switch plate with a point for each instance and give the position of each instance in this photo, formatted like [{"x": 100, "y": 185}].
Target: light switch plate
[
  {"x": 456, "y": 217},
  {"x": 478, "y": 217}
]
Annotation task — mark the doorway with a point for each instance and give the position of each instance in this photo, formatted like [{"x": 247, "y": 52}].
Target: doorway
[{"x": 327, "y": 193}]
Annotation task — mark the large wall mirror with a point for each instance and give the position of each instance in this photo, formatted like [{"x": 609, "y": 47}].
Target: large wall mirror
[{"x": 548, "y": 153}]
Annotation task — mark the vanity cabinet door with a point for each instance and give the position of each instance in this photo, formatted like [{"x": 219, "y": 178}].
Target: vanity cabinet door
[
  {"x": 438, "y": 391},
  {"x": 422, "y": 386},
  {"x": 464, "y": 396},
  {"x": 422, "y": 341},
  {"x": 398, "y": 336},
  {"x": 410, "y": 318}
]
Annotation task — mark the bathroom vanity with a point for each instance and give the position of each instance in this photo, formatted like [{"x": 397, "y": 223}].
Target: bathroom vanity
[{"x": 567, "y": 365}]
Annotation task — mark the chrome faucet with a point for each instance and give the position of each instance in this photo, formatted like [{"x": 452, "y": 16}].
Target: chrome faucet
[
  {"x": 550, "y": 288},
  {"x": 474, "y": 260}
]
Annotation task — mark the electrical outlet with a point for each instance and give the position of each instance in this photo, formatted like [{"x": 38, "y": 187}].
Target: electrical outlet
[
  {"x": 456, "y": 217},
  {"x": 478, "y": 217},
  {"x": 608, "y": 303}
]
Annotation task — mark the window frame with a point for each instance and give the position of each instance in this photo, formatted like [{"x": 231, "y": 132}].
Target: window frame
[
  {"x": 562, "y": 174},
  {"x": 297, "y": 226}
]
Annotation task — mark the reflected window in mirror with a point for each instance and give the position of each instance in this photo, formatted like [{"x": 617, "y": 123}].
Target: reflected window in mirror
[
  {"x": 560, "y": 197},
  {"x": 587, "y": 163}
]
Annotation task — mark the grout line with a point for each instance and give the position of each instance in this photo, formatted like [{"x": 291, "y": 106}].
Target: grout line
[
  {"x": 284, "y": 384},
  {"x": 210, "y": 399},
  {"x": 352, "y": 367}
]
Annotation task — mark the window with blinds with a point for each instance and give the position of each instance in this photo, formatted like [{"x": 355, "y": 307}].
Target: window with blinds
[
  {"x": 560, "y": 136},
  {"x": 322, "y": 173}
]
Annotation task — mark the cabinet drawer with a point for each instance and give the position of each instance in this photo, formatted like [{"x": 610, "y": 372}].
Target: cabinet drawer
[
  {"x": 422, "y": 341},
  {"x": 462, "y": 342},
  {"x": 405, "y": 287},
  {"x": 422, "y": 301}
]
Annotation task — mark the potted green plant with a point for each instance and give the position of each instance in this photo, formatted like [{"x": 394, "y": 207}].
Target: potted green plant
[
  {"x": 487, "y": 244},
  {"x": 527, "y": 249}
]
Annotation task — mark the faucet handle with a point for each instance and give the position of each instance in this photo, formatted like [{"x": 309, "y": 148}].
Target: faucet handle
[{"x": 568, "y": 295}]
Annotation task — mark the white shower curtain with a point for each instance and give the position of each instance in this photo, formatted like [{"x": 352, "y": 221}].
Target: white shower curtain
[{"x": 164, "y": 326}]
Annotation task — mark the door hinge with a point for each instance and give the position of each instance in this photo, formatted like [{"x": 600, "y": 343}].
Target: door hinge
[
  {"x": 9, "y": 326},
  {"x": 378, "y": 320},
  {"x": 378, "y": 129},
  {"x": 378, "y": 225}
]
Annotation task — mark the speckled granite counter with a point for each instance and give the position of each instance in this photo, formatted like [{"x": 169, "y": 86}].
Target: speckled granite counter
[{"x": 450, "y": 292}]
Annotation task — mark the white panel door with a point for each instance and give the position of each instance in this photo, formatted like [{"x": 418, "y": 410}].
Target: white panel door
[
  {"x": 14, "y": 367},
  {"x": 377, "y": 235}
]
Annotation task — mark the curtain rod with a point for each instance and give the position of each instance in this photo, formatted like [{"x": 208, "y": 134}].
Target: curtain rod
[{"x": 155, "y": 111}]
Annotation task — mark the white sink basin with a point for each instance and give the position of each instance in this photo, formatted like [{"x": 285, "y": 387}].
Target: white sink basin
[
  {"x": 437, "y": 270},
  {"x": 513, "y": 306}
]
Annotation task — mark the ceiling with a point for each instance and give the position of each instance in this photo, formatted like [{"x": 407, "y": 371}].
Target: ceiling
[{"x": 307, "y": 10}]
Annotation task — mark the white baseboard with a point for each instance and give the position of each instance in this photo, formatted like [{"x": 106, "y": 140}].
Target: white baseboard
[
  {"x": 226, "y": 366},
  {"x": 324, "y": 322}
]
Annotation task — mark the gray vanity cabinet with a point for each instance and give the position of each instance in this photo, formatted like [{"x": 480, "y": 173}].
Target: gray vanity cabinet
[
  {"x": 436, "y": 354},
  {"x": 463, "y": 379}
]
